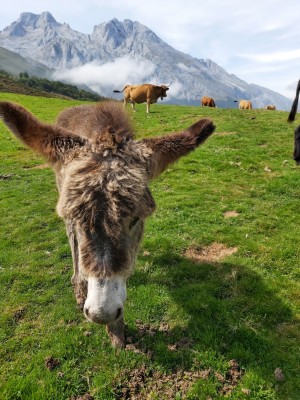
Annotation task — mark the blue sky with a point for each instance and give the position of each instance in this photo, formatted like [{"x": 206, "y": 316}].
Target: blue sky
[{"x": 259, "y": 41}]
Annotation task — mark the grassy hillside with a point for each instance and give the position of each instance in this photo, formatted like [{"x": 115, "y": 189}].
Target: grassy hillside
[
  {"x": 10, "y": 84},
  {"x": 213, "y": 306},
  {"x": 34, "y": 86}
]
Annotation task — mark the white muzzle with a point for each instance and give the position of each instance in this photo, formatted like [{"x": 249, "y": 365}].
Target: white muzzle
[{"x": 105, "y": 299}]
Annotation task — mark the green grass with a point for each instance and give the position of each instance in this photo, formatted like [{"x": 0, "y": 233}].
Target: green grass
[{"x": 244, "y": 307}]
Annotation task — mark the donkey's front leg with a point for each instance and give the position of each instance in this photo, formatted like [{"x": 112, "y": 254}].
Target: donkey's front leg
[{"x": 116, "y": 334}]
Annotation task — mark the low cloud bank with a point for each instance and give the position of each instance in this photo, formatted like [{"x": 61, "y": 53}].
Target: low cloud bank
[{"x": 104, "y": 78}]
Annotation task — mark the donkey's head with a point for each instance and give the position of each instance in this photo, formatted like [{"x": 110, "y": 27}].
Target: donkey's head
[
  {"x": 102, "y": 175},
  {"x": 104, "y": 200}
]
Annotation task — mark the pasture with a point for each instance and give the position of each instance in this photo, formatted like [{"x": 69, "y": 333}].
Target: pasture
[{"x": 213, "y": 308}]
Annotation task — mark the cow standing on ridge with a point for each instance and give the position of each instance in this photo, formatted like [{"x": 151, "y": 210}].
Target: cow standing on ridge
[
  {"x": 145, "y": 93},
  {"x": 244, "y": 104},
  {"x": 208, "y": 101}
]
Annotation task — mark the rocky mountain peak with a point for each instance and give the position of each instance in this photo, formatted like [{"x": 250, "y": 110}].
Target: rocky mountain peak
[
  {"x": 46, "y": 19},
  {"x": 111, "y": 33},
  {"x": 29, "y": 22},
  {"x": 115, "y": 33}
]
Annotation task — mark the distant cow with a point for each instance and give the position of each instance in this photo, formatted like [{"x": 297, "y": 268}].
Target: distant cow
[
  {"x": 145, "y": 93},
  {"x": 270, "y": 107},
  {"x": 245, "y": 105},
  {"x": 208, "y": 102},
  {"x": 291, "y": 118}
]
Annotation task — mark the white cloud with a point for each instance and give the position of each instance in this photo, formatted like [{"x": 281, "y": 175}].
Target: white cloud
[
  {"x": 116, "y": 74},
  {"x": 176, "y": 88}
]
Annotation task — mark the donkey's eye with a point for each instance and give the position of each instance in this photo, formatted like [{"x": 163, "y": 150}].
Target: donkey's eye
[{"x": 133, "y": 222}]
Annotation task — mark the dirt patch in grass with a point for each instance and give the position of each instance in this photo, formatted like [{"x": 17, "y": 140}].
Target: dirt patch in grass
[
  {"x": 6, "y": 177},
  {"x": 51, "y": 363},
  {"x": 183, "y": 343},
  {"x": 18, "y": 315},
  {"x": 146, "y": 382},
  {"x": 212, "y": 253},
  {"x": 230, "y": 214},
  {"x": 142, "y": 383},
  {"x": 231, "y": 379},
  {"x": 86, "y": 396},
  {"x": 135, "y": 341}
]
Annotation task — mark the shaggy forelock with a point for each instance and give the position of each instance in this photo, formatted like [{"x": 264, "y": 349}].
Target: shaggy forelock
[{"x": 103, "y": 123}]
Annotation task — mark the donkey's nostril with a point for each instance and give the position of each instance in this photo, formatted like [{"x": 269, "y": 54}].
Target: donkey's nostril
[{"x": 86, "y": 312}]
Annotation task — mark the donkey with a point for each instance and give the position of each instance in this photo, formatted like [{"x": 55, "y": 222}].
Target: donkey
[
  {"x": 291, "y": 118},
  {"x": 102, "y": 175}
]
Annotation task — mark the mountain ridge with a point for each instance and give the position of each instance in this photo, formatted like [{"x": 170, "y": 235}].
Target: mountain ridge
[{"x": 135, "y": 52}]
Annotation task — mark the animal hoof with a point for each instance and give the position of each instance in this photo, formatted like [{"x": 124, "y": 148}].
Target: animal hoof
[
  {"x": 117, "y": 342},
  {"x": 115, "y": 331}
]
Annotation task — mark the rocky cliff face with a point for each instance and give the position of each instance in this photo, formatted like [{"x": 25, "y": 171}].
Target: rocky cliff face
[{"x": 42, "y": 38}]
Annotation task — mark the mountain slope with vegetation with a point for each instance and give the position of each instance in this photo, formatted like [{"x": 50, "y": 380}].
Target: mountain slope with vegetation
[{"x": 24, "y": 84}]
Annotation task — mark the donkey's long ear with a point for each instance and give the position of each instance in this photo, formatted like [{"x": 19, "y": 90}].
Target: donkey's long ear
[
  {"x": 168, "y": 149},
  {"x": 49, "y": 140}
]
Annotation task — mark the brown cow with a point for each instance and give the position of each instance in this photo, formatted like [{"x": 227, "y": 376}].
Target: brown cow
[
  {"x": 103, "y": 176},
  {"x": 145, "y": 93},
  {"x": 270, "y": 107},
  {"x": 208, "y": 101},
  {"x": 245, "y": 105}
]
